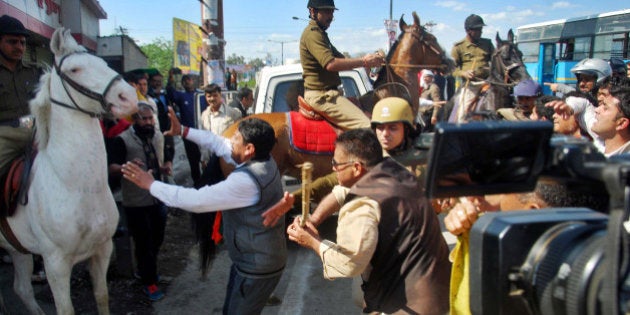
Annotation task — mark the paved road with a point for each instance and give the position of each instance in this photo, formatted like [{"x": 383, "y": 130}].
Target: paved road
[{"x": 303, "y": 289}]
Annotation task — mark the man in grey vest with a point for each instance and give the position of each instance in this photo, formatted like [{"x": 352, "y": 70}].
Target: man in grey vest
[
  {"x": 143, "y": 145},
  {"x": 258, "y": 253}
]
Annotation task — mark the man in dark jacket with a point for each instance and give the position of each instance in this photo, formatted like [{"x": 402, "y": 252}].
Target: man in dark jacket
[
  {"x": 243, "y": 101},
  {"x": 387, "y": 232}
]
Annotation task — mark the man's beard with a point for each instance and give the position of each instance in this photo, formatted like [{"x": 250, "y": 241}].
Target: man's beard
[{"x": 146, "y": 131}]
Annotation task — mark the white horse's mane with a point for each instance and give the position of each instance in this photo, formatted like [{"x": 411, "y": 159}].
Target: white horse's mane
[
  {"x": 40, "y": 108},
  {"x": 62, "y": 45}
]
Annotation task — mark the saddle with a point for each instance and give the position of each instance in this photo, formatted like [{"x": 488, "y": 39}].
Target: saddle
[
  {"x": 11, "y": 188},
  {"x": 14, "y": 191},
  {"x": 309, "y": 132},
  {"x": 307, "y": 111}
]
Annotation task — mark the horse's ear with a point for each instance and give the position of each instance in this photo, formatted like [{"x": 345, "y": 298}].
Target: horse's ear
[
  {"x": 416, "y": 19},
  {"x": 510, "y": 37},
  {"x": 402, "y": 24},
  {"x": 56, "y": 41},
  {"x": 498, "y": 39}
]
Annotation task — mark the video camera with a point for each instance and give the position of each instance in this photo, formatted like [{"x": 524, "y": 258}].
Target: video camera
[{"x": 556, "y": 261}]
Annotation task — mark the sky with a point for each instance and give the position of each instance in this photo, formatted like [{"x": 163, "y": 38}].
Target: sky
[{"x": 255, "y": 28}]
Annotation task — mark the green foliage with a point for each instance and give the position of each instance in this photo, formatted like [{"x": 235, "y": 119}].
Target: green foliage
[
  {"x": 160, "y": 55},
  {"x": 235, "y": 60}
]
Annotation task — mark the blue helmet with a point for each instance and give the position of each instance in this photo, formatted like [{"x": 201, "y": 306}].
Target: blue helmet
[{"x": 527, "y": 88}]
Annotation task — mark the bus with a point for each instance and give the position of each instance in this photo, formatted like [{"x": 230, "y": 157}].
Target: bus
[{"x": 550, "y": 49}]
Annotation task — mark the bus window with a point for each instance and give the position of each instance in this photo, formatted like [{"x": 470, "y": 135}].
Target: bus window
[
  {"x": 575, "y": 48},
  {"x": 601, "y": 46},
  {"x": 530, "y": 51},
  {"x": 582, "y": 48}
]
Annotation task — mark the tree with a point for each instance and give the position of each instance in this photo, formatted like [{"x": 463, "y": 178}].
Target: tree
[
  {"x": 257, "y": 63},
  {"x": 160, "y": 55},
  {"x": 235, "y": 60}
]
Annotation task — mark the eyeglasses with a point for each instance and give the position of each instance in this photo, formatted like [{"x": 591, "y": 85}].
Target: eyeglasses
[{"x": 335, "y": 164}]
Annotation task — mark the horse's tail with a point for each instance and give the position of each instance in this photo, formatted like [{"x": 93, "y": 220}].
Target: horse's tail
[{"x": 203, "y": 223}]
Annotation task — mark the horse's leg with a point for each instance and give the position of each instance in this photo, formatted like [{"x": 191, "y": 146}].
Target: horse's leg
[
  {"x": 58, "y": 271},
  {"x": 23, "y": 268},
  {"x": 98, "y": 272}
]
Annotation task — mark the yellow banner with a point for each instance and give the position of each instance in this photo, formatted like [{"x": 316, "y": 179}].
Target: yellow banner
[{"x": 187, "y": 46}]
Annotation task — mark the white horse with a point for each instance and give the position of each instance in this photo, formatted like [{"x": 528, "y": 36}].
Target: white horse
[{"x": 70, "y": 215}]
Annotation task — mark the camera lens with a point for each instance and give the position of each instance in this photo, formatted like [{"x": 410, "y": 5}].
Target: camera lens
[{"x": 563, "y": 270}]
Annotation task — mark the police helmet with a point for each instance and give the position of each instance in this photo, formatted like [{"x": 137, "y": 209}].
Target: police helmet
[
  {"x": 12, "y": 26},
  {"x": 474, "y": 21},
  {"x": 618, "y": 66},
  {"x": 527, "y": 88},
  {"x": 594, "y": 67},
  {"x": 321, "y": 4},
  {"x": 392, "y": 109}
]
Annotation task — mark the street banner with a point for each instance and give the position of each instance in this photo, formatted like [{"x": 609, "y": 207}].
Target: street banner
[
  {"x": 391, "y": 27},
  {"x": 187, "y": 41}
]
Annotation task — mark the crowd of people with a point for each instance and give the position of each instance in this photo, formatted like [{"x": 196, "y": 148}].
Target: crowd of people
[{"x": 388, "y": 235}]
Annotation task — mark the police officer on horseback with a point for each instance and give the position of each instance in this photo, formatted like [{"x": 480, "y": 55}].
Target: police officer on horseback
[
  {"x": 321, "y": 63},
  {"x": 18, "y": 81},
  {"x": 472, "y": 59}
]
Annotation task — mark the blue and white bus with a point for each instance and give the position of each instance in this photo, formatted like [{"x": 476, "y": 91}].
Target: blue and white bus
[{"x": 551, "y": 49}]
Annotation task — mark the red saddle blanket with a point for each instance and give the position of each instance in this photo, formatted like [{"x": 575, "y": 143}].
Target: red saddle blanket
[{"x": 310, "y": 136}]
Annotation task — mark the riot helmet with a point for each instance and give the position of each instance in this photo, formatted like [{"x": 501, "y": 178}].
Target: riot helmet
[
  {"x": 473, "y": 21},
  {"x": 321, "y": 4},
  {"x": 527, "y": 88},
  {"x": 392, "y": 109},
  {"x": 594, "y": 67},
  {"x": 12, "y": 26}
]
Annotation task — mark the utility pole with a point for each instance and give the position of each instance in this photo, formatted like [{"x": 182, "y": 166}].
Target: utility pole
[
  {"x": 214, "y": 44},
  {"x": 282, "y": 42}
]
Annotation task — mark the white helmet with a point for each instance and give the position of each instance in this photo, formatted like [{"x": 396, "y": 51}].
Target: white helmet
[{"x": 593, "y": 66}]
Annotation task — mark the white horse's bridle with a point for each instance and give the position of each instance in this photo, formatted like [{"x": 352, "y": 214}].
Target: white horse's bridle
[{"x": 100, "y": 97}]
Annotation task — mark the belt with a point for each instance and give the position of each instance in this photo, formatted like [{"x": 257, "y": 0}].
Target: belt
[{"x": 24, "y": 121}]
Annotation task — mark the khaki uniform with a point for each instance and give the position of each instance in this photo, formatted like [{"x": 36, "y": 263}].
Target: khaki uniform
[
  {"x": 16, "y": 89},
  {"x": 321, "y": 85},
  {"x": 466, "y": 53},
  {"x": 432, "y": 93}
]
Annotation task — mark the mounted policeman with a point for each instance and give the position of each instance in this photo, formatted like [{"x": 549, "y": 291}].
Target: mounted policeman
[
  {"x": 321, "y": 63},
  {"x": 18, "y": 82},
  {"x": 472, "y": 61}
]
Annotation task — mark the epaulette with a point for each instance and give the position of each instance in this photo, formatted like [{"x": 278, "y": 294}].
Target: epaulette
[{"x": 459, "y": 42}]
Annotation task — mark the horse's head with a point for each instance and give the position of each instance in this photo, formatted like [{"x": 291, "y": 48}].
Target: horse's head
[
  {"x": 424, "y": 48},
  {"x": 507, "y": 63},
  {"x": 84, "y": 82}
]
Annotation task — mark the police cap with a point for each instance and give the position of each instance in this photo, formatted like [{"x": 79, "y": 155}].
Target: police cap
[
  {"x": 474, "y": 21},
  {"x": 12, "y": 26}
]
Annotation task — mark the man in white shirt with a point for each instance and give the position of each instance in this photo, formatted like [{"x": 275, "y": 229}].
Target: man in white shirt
[
  {"x": 217, "y": 116},
  {"x": 258, "y": 252}
]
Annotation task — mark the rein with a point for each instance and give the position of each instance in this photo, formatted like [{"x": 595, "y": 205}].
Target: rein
[
  {"x": 415, "y": 32},
  {"x": 100, "y": 97}
]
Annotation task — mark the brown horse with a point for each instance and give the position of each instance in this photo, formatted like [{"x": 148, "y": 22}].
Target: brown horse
[{"x": 415, "y": 49}]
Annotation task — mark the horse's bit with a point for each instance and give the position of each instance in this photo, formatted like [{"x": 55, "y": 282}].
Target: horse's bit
[{"x": 100, "y": 97}]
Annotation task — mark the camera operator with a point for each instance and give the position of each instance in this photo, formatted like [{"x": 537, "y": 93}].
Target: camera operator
[{"x": 548, "y": 193}]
